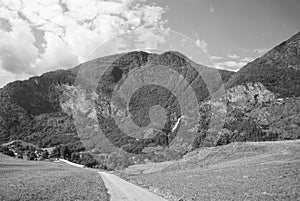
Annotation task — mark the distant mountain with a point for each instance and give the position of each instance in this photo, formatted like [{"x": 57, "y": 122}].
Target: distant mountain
[
  {"x": 278, "y": 69},
  {"x": 39, "y": 110}
]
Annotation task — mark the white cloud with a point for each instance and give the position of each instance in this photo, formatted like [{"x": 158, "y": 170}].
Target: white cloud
[
  {"x": 233, "y": 56},
  {"x": 247, "y": 59},
  {"x": 6, "y": 76},
  {"x": 216, "y": 57},
  {"x": 150, "y": 39},
  {"x": 232, "y": 62},
  {"x": 72, "y": 29},
  {"x": 17, "y": 51},
  {"x": 260, "y": 51},
  {"x": 202, "y": 44},
  {"x": 230, "y": 65},
  {"x": 211, "y": 9}
]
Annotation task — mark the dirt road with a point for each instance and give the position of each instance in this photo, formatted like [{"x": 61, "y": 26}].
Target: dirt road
[{"x": 121, "y": 190}]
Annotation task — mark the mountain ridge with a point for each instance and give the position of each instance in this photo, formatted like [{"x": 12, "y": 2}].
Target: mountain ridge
[
  {"x": 278, "y": 69},
  {"x": 37, "y": 114}
]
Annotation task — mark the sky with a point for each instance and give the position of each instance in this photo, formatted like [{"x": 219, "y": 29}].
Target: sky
[{"x": 37, "y": 36}]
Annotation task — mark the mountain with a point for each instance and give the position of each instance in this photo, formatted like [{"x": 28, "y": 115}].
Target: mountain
[
  {"x": 30, "y": 110},
  {"x": 261, "y": 101},
  {"x": 278, "y": 69},
  {"x": 43, "y": 108},
  {"x": 71, "y": 107},
  {"x": 248, "y": 112}
]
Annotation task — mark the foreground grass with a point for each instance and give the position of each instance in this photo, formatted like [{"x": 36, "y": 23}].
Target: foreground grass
[
  {"x": 32, "y": 180},
  {"x": 239, "y": 171}
]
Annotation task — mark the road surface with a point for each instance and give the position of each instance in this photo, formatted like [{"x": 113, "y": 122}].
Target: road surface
[{"x": 121, "y": 190}]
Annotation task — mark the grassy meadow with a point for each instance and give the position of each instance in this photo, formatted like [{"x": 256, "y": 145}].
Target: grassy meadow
[
  {"x": 40, "y": 180},
  {"x": 238, "y": 171}
]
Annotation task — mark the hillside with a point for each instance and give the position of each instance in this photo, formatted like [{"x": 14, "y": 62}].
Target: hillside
[
  {"x": 278, "y": 69},
  {"x": 73, "y": 106},
  {"x": 40, "y": 110},
  {"x": 248, "y": 112},
  {"x": 238, "y": 171},
  {"x": 261, "y": 101}
]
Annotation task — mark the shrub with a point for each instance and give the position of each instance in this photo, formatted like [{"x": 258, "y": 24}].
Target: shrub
[
  {"x": 6, "y": 151},
  {"x": 88, "y": 160}
]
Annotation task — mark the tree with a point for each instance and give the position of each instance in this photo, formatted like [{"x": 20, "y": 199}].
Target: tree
[
  {"x": 56, "y": 152},
  {"x": 88, "y": 160},
  {"x": 31, "y": 155},
  {"x": 45, "y": 155},
  {"x": 5, "y": 150},
  {"x": 65, "y": 152},
  {"x": 75, "y": 157},
  {"x": 199, "y": 139}
]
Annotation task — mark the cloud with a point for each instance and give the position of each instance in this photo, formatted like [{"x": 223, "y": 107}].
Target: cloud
[
  {"x": 260, "y": 51},
  {"x": 247, "y": 59},
  {"x": 230, "y": 65},
  {"x": 233, "y": 56},
  {"x": 211, "y": 8},
  {"x": 6, "y": 76},
  {"x": 16, "y": 47},
  {"x": 42, "y": 35},
  {"x": 216, "y": 57},
  {"x": 202, "y": 44},
  {"x": 233, "y": 62}
]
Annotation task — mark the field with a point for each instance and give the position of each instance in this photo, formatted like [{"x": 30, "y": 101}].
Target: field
[
  {"x": 32, "y": 180},
  {"x": 238, "y": 171}
]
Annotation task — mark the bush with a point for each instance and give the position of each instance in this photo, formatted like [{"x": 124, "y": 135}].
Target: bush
[
  {"x": 119, "y": 160},
  {"x": 224, "y": 137},
  {"x": 88, "y": 160},
  {"x": 45, "y": 155},
  {"x": 8, "y": 152},
  {"x": 31, "y": 155}
]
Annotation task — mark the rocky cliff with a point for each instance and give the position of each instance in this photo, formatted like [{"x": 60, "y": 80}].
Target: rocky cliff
[{"x": 248, "y": 112}]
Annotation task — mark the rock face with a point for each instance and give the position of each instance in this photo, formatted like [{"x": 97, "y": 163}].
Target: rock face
[
  {"x": 278, "y": 69},
  {"x": 248, "y": 112},
  {"x": 261, "y": 101},
  {"x": 249, "y": 95}
]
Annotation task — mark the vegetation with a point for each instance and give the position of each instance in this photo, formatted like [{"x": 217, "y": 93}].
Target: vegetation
[
  {"x": 41, "y": 180},
  {"x": 252, "y": 114},
  {"x": 278, "y": 70},
  {"x": 31, "y": 110},
  {"x": 238, "y": 171},
  {"x": 76, "y": 156},
  {"x": 29, "y": 152},
  {"x": 146, "y": 97},
  {"x": 41, "y": 110}
]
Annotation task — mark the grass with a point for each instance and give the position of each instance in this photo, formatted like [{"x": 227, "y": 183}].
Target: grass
[
  {"x": 33, "y": 180},
  {"x": 238, "y": 171}
]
